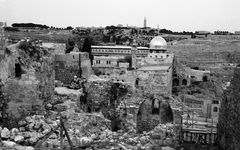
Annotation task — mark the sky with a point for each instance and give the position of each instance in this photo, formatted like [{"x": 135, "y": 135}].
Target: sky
[{"x": 175, "y": 15}]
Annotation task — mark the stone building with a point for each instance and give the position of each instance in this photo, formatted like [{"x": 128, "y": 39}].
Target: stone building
[
  {"x": 157, "y": 45},
  {"x": 70, "y": 64},
  {"x": 151, "y": 68},
  {"x": 229, "y": 115}
]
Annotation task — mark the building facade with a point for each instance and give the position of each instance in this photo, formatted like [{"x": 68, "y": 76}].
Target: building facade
[{"x": 151, "y": 68}]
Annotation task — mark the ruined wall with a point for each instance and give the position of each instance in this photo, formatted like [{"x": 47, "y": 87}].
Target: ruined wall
[
  {"x": 229, "y": 115},
  {"x": 68, "y": 65},
  {"x": 2, "y": 36},
  {"x": 29, "y": 92},
  {"x": 7, "y": 63},
  {"x": 46, "y": 76}
]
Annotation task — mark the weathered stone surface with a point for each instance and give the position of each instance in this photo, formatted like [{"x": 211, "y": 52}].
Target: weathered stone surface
[
  {"x": 8, "y": 143},
  {"x": 18, "y": 139},
  {"x": 85, "y": 142},
  {"x": 229, "y": 115},
  {"x": 5, "y": 133}
]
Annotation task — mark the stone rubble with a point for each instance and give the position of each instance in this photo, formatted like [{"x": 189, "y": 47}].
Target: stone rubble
[{"x": 89, "y": 131}]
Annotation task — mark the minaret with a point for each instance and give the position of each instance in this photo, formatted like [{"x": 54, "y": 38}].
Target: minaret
[{"x": 145, "y": 23}]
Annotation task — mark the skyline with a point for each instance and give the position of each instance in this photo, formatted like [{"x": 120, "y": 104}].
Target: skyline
[{"x": 175, "y": 15}]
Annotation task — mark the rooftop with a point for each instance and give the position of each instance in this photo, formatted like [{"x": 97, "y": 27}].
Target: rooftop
[{"x": 153, "y": 68}]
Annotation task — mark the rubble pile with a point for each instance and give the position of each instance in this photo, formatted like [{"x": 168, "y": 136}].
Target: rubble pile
[
  {"x": 89, "y": 131},
  {"x": 30, "y": 130}
]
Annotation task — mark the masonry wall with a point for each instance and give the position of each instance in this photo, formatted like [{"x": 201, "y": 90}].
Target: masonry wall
[
  {"x": 29, "y": 93},
  {"x": 157, "y": 81},
  {"x": 2, "y": 36},
  {"x": 46, "y": 76},
  {"x": 229, "y": 115},
  {"x": 68, "y": 65},
  {"x": 7, "y": 63}
]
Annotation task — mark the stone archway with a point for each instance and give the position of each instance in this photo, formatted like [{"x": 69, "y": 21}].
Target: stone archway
[
  {"x": 175, "y": 82},
  {"x": 153, "y": 111}
]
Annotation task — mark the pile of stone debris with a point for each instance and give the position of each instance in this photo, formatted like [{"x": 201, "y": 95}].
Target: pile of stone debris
[{"x": 86, "y": 131}]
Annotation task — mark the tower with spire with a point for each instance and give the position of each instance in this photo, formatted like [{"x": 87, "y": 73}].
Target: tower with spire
[{"x": 145, "y": 23}]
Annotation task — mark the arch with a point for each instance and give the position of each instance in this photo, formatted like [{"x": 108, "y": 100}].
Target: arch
[
  {"x": 151, "y": 112},
  {"x": 215, "y": 109},
  {"x": 184, "y": 82},
  {"x": 175, "y": 82}
]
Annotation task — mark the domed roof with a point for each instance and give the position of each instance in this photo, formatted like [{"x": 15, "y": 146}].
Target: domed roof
[{"x": 158, "y": 43}]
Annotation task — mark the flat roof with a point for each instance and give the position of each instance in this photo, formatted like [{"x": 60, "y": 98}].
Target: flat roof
[
  {"x": 124, "y": 47},
  {"x": 150, "y": 68}
]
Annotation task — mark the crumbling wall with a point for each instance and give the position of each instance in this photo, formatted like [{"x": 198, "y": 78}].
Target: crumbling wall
[
  {"x": 24, "y": 96},
  {"x": 46, "y": 76},
  {"x": 229, "y": 115},
  {"x": 29, "y": 92},
  {"x": 2, "y": 36},
  {"x": 7, "y": 63}
]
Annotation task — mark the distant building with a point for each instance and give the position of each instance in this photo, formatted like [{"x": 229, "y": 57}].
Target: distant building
[
  {"x": 221, "y": 32},
  {"x": 202, "y": 32},
  {"x": 237, "y": 32}
]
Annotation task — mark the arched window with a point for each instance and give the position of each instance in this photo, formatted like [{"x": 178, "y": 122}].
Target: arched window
[
  {"x": 184, "y": 82},
  {"x": 215, "y": 109}
]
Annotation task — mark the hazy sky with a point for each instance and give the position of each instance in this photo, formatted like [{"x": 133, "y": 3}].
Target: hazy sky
[{"x": 176, "y": 15}]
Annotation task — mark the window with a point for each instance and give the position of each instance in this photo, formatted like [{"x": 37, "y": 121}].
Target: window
[
  {"x": 215, "y": 102},
  {"x": 108, "y": 62},
  {"x": 215, "y": 109},
  {"x": 97, "y": 61},
  {"x": 156, "y": 56}
]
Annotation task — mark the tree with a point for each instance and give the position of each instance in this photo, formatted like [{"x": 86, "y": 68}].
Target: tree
[
  {"x": 70, "y": 45},
  {"x": 87, "y": 48},
  {"x": 69, "y": 28}
]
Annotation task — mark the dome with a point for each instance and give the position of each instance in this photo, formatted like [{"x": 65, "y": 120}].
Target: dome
[{"x": 158, "y": 43}]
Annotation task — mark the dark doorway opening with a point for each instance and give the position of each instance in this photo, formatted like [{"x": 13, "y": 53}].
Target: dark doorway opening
[
  {"x": 175, "y": 82},
  {"x": 184, "y": 82},
  {"x": 18, "y": 70}
]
